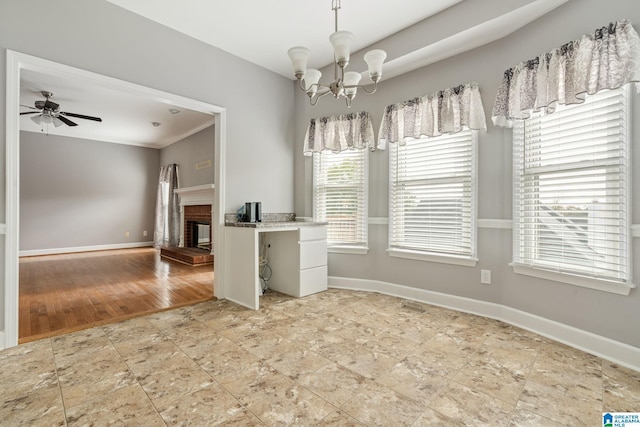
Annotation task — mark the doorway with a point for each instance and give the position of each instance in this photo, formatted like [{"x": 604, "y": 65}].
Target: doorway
[{"x": 17, "y": 62}]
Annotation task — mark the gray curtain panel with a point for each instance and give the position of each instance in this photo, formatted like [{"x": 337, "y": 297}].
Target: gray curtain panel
[{"x": 167, "y": 227}]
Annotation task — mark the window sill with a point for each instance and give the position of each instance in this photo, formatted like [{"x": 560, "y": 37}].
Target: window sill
[
  {"x": 572, "y": 279},
  {"x": 353, "y": 250},
  {"x": 426, "y": 256}
]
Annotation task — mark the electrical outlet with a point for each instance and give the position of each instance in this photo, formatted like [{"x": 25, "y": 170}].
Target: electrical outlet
[
  {"x": 126, "y": 234},
  {"x": 144, "y": 233},
  {"x": 485, "y": 277}
]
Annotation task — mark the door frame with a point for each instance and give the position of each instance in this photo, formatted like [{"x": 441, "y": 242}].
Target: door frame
[{"x": 16, "y": 62}]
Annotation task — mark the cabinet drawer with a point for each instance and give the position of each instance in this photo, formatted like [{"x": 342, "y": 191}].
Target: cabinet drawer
[
  {"x": 313, "y": 233},
  {"x": 313, "y": 254},
  {"x": 313, "y": 280}
]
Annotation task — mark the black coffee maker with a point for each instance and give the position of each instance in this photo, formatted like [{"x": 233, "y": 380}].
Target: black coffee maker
[{"x": 252, "y": 212}]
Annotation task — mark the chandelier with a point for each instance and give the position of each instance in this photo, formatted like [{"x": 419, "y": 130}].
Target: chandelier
[{"x": 345, "y": 83}]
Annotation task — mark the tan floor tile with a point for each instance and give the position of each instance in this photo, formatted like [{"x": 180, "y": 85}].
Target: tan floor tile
[
  {"x": 523, "y": 418},
  {"x": 339, "y": 419},
  {"x": 30, "y": 363},
  {"x": 296, "y": 360},
  {"x": 266, "y": 345},
  {"x": 379, "y": 405},
  {"x": 339, "y": 357},
  {"x": 360, "y": 359},
  {"x": 574, "y": 372},
  {"x": 431, "y": 418},
  {"x": 79, "y": 346},
  {"x": 333, "y": 383},
  {"x": 224, "y": 357},
  {"x": 22, "y": 404},
  {"x": 391, "y": 345},
  {"x": 465, "y": 405},
  {"x": 87, "y": 380},
  {"x": 493, "y": 379},
  {"x": 173, "y": 379},
  {"x": 132, "y": 330},
  {"x": 621, "y": 388},
  {"x": 554, "y": 403},
  {"x": 128, "y": 406},
  {"x": 274, "y": 398},
  {"x": 210, "y": 405}
]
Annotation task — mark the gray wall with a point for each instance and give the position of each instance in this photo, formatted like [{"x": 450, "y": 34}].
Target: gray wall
[
  {"x": 78, "y": 192},
  {"x": 613, "y": 316},
  {"x": 187, "y": 153},
  {"x": 100, "y": 37}
]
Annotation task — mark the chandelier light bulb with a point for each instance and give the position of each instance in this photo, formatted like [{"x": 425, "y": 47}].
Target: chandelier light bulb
[
  {"x": 299, "y": 56},
  {"x": 351, "y": 78},
  {"x": 341, "y": 42},
  {"x": 311, "y": 80},
  {"x": 374, "y": 59}
]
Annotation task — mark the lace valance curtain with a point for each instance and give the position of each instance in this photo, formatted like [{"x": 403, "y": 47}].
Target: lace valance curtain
[
  {"x": 445, "y": 111},
  {"x": 607, "y": 59},
  {"x": 339, "y": 133}
]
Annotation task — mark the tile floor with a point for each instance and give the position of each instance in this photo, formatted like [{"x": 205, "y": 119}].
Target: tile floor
[{"x": 336, "y": 358}]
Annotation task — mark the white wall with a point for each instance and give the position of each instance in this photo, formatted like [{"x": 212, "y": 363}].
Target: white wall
[
  {"x": 189, "y": 152},
  {"x": 81, "y": 193},
  {"x": 608, "y": 315}
]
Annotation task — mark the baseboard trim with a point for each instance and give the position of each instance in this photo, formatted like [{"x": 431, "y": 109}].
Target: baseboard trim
[
  {"x": 56, "y": 251},
  {"x": 615, "y": 351}
]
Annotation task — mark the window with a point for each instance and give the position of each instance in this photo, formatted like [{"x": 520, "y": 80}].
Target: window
[
  {"x": 432, "y": 198},
  {"x": 340, "y": 197},
  {"x": 571, "y": 192}
]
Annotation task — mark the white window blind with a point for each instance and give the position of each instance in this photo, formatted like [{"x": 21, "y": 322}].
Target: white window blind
[
  {"x": 570, "y": 192},
  {"x": 340, "y": 195},
  {"x": 432, "y": 195}
]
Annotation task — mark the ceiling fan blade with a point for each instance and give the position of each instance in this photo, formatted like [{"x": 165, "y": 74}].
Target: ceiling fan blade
[
  {"x": 29, "y": 106},
  {"x": 30, "y": 112},
  {"x": 81, "y": 116},
  {"x": 66, "y": 121}
]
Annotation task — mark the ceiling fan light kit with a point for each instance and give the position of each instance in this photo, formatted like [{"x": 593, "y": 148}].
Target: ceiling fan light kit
[
  {"x": 49, "y": 113},
  {"x": 345, "y": 84}
]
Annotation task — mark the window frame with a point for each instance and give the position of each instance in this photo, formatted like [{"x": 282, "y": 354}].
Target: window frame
[
  {"x": 356, "y": 248},
  {"x": 440, "y": 257},
  {"x": 573, "y": 277}
]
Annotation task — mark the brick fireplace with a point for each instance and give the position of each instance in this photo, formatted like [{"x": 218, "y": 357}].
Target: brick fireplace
[
  {"x": 196, "y": 218},
  {"x": 197, "y": 221}
]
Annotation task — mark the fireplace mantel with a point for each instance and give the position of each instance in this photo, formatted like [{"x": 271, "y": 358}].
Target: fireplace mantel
[{"x": 198, "y": 195}]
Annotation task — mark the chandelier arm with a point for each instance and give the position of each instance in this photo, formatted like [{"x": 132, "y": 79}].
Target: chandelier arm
[
  {"x": 314, "y": 99},
  {"x": 364, "y": 88}
]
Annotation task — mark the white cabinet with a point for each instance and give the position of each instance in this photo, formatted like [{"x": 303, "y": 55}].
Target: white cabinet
[
  {"x": 297, "y": 256},
  {"x": 313, "y": 260}
]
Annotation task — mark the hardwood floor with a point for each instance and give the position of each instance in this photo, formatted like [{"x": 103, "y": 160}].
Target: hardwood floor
[{"x": 65, "y": 293}]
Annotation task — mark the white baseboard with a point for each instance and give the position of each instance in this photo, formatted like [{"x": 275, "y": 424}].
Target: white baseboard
[
  {"x": 615, "y": 351},
  {"x": 55, "y": 251}
]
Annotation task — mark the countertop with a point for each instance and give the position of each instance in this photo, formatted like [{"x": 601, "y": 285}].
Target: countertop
[{"x": 276, "y": 224}]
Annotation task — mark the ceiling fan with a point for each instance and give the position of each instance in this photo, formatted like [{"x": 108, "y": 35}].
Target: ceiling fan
[{"x": 49, "y": 113}]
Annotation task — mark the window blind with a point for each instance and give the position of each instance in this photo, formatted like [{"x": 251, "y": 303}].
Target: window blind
[
  {"x": 570, "y": 192},
  {"x": 340, "y": 195},
  {"x": 432, "y": 195}
]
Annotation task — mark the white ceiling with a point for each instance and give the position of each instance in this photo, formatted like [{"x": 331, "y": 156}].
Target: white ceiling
[
  {"x": 126, "y": 116},
  {"x": 261, "y": 32}
]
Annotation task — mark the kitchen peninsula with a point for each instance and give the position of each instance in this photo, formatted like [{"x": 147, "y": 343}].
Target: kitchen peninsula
[{"x": 296, "y": 252}]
